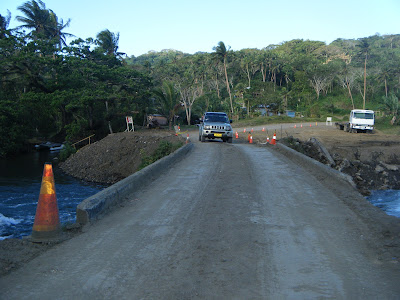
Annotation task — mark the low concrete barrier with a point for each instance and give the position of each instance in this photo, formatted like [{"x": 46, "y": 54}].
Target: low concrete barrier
[
  {"x": 308, "y": 160},
  {"x": 93, "y": 207}
]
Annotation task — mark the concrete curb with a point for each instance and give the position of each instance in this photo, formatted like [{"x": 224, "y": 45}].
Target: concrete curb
[
  {"x": 93, "y": 207},
  {"x": 324, "y": 168}
]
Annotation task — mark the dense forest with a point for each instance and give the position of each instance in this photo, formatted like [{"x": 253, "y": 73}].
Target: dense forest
[{"x": 51, "y": 89}]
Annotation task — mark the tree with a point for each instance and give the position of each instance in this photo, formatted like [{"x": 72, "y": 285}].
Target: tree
[
  {"x": 108, "y": 42},
  {"x": 43, "y": 22},
  {"x": 168, "y": 101},
  {"x": 221, "y": 53},
  {"x": 5, "y": 21},
  {"x": 364, "y": 51}
]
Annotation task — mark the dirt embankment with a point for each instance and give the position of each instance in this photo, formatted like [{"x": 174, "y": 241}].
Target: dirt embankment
[
  {"x": 373, "y": 160},
  {"x": 116, "y": 156}
]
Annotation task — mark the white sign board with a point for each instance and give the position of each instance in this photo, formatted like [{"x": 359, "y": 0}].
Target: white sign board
[{"x": 129, "y": 120}]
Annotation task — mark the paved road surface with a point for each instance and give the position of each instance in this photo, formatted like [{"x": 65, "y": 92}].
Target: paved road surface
[{"x": 230, "y": 221}]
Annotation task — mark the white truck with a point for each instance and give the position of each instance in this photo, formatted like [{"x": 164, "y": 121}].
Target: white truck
[{"x": 360, "y": 120}]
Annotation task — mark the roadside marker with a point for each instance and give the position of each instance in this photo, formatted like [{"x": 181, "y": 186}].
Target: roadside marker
[
  {"x": 46, "y": 226},
  {"x": 237, "y": 135},
  {"x": 273, "y": 142}
]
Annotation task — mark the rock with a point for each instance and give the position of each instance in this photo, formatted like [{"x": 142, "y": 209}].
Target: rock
[{"x": 379, "y": 169}]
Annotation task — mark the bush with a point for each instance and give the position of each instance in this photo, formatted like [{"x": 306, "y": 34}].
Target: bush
[
  {"x": 164, "y": 148},
  {"x": 66, "y": 152}
]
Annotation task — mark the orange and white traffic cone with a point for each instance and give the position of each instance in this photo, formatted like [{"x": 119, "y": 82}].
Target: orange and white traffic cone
[
  {"x": 46, "y": 226},
  {"x": 244, "y": 129},
  {"x": 273, "y": 142},
  {"x": 252, "y": 130},
  {"x": 263, "y": 129},
  {"x": 237, "y": 135},
  {"x": 310, "y": 124},
  {"x": 251, "y": 139},
  {"x": 301, "y": 125},
  {"x": 248, "y": 137},
  {"x": 294, "y": 125},
  {"x": 187, "y": 139},
  {"x": 267, "y": 139}
]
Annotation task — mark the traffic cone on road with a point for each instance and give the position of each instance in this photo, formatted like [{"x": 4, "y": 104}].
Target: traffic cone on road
[
  {"x": 252, "y": 130},
  {"x": 244, "y": 129},
  {"x": 267, "y": 139},
  {"x": 248, "y": 137},
  {"x": 46, "y": 226},
  {"x": 263, "y": 129},
  {"x": 251, "y": 139},
  {"x": 273, "y": 142},
  {"x": 236, "y": 135},
  {"x": 187, "y": 139}
]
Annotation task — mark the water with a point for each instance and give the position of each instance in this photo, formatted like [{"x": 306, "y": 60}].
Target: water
[
  {"x": 20, "y": 181},
  {"x": 387, "y": 200}
]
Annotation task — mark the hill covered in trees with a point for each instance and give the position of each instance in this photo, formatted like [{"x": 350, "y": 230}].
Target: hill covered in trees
[{"x": 54, "y": 90}]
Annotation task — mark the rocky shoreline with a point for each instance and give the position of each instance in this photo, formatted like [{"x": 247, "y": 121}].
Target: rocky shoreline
[{"x": 372, "y": 174}]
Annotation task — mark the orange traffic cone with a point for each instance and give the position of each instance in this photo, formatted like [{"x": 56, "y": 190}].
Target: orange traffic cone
[
  {"x": 301, "y": 125},
  {"x": 252, "y": 130},
  {"x": 46, "y": 226},
  {"x": 294, "y": 125},
  {"x": 267, "y": 139},
  {"x": 273, "y": 142},
  {"x": 187, "y": 139},
  {"x": 244, "y": 130},
  {"x": 251, "y": 139},
  {"x": 263, "y": 129},
  {"x": 237, "y": 135},
  {"x": 310, "y": 124},
  {"x": 248, "y": 137}
]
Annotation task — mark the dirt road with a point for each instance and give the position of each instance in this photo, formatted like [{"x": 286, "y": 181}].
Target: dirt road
[{"x": 230, "y": 221}]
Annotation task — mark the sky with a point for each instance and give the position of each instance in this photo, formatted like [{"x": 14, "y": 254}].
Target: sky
[{"x": 193, "y": 26}]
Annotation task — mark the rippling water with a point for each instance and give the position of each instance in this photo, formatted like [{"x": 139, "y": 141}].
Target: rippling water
[
  {"x": 20, "y": 180},
  {"x": 387, "y": 200}
]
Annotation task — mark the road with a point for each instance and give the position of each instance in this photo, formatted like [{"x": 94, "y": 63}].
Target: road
[{"x": 229, "y": 221}]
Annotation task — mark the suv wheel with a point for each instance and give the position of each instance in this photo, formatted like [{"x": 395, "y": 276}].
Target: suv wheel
[
  {"x": 229, "y": 140},
  {"x": 202, "y": 138}
]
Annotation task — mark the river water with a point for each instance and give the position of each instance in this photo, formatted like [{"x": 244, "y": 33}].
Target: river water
[{"x": 20, "y": 181}]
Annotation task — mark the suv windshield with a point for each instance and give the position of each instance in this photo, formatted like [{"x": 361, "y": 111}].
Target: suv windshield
[{"x": 216, "y": 118}]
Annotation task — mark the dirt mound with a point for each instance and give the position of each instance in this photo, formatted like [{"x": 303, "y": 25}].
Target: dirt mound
[{"x": 116, "y": 156}]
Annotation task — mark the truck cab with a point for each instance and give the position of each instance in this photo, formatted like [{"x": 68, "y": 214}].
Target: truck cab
[{"x": 361, "y": 119}]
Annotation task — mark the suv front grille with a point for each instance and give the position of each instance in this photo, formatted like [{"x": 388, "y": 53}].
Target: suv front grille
[{"x": 217, "y": 127}]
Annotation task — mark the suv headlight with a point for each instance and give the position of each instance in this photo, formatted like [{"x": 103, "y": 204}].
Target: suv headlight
[
  {"x": 228, "y": 127},
  {"x": 207, "y": 127}
]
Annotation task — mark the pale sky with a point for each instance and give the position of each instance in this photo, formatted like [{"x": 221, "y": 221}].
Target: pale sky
[{"x": 192, "y": 26}]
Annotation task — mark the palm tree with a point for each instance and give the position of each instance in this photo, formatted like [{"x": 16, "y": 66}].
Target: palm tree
[
  {"x": 221, "y": 53},
  {"x": 56, "y": 30},
  {"x": 168, "y": 99},
  {"x": 108, "y": 42},
  {"x": 4, "y": 22},
  {"x": 37, "y": 17},
  {"x": 43, "y": 22},
  {"x": 364, "y": 51}
]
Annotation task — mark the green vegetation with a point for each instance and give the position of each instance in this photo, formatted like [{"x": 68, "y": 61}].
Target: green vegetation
[
  {"x": 164, "y": 148},
  {"x": 65, "y": 92}
]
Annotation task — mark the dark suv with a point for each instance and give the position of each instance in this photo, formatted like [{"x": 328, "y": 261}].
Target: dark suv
[{"x": 216, "y": 125}]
